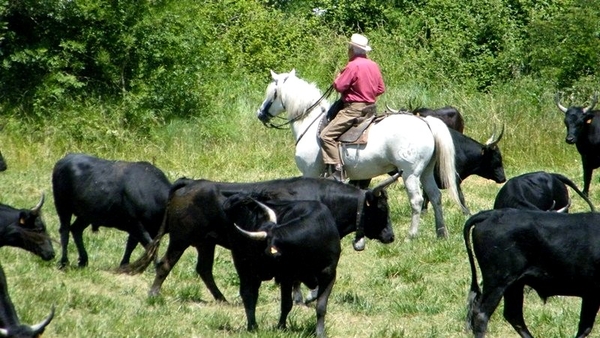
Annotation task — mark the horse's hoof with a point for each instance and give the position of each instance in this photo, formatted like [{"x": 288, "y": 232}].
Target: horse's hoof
[{"x": 359, "y": 245}]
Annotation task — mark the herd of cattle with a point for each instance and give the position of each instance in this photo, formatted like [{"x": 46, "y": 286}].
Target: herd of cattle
[{"x": 290, "y": 229}]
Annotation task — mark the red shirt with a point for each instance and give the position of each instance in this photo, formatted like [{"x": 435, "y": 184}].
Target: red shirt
[{"x": 360, "y": 81}]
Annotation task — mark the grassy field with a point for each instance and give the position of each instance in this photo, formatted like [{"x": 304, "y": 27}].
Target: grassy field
[{"x": 408, "y": 288}]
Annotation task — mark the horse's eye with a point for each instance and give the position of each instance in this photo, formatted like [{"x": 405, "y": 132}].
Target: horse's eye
[{"x": 275, "y": 95}]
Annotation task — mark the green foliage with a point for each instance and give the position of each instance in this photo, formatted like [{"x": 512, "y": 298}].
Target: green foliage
[
  {"x": 563, "y": 43},
  {"x": 144, "y": 63},
  {"x": 349, "y": 16}
]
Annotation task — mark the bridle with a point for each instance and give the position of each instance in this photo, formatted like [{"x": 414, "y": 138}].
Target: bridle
[{"x": 298, "y": 117}]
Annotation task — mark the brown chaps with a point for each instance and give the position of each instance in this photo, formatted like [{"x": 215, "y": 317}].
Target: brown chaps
[{"x": 336, "y": 127}]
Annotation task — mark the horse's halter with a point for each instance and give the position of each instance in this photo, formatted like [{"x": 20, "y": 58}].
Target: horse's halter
[
  {"x": 268, "y": 116},
  {"x": 265, "y": 111}
]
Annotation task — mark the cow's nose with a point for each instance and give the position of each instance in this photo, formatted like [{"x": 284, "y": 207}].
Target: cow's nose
[
  {"x": 48, "y": 256},
  {"x": 389, "y": 239},
  {"x": 570, "y": 139}
]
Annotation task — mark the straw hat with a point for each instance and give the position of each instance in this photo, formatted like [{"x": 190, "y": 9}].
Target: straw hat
[{"x": 360, "y": 41}]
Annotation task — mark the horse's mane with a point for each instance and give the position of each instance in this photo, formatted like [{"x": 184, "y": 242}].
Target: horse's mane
[{"x": 298, "y": 95}]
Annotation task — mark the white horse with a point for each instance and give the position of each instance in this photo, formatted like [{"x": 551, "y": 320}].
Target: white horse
[{"x": 404, "y": 142}]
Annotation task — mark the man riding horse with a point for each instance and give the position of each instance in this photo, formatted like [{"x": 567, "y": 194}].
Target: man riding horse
[{"x": 359, "y": 84}]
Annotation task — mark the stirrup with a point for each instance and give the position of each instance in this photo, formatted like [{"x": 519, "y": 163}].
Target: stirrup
[
  {"x": 336, "y": 176},
  {"x": 335, "y": 172}
]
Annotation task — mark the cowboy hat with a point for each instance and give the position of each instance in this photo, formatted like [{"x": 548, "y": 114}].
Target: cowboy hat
[{"x": 360, "y": 41}]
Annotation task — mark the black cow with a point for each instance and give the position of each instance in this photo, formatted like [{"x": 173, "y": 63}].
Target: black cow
[
  {"x": 129, "y": 196},
  {"x": 10, "y": 325},
  {"x": 300, "y": 242},
  {"x": 583, "y": 130},
  {"x": 25, "y": 229},
  {"x": 450, "y": 115},
  {"x": 553, "y": 253},
  {"x": 538, "y": 191},
  {"x": 2, "y": 163},
  {"x": 194, "y": 217}
]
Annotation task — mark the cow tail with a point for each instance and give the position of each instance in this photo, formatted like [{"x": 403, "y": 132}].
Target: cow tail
[
  {"x": 141, "y": 264},
  {"x": 445, "y": 157},
  {"x": 474, "y": 292},
  {"x": 573, "y": 186}
]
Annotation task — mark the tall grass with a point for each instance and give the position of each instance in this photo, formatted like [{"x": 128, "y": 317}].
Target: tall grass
[{"x": 413, "y": 288}]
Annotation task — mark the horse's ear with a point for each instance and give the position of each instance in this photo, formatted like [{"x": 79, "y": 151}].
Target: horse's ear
[
  {"x": 293, "y": 72},
  {"x": 273, "y": 75}
]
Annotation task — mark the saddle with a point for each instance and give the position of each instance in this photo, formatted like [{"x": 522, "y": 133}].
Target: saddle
[{"x": 358, "y": 133}]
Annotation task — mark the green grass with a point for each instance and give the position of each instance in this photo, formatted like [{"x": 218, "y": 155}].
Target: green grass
[{"x": 411, "y": 288}]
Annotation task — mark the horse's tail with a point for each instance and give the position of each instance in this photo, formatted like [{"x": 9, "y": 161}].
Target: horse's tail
[{"x": 444, "y": 153}]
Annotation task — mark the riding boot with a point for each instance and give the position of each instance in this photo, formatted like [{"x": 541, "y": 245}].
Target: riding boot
[{"x": 335, "y": 172}]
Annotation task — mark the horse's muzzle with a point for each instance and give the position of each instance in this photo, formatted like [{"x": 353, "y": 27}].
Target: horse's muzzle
[{"x": 262, "y": 116}]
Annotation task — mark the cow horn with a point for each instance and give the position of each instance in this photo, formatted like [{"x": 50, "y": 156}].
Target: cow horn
[
  {"x": 592, "y": 104},
  {"x": 566, "y": 207},
  {"x": 3, "y": 332},
  {"x": 36, "y": 210},
  {"x": 392, "y": 110},
  {"x": 269, "y": 211},
  {"x": 377, "y": 189},
  {"x": 39, "y": 327},
  {"x": 492, "y": 141},
  {"x": 557, "y": 101},
  {"x": 255, "y": 235}
]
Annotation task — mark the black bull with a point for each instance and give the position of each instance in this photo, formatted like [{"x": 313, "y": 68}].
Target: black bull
[
  {"x": 10, "y": 325},
  {"x": 553, "y": 253},
  {"x": 448, "y": 114},
  {"x": 583, "y": 130},
  {"x": 25, "y": 229},
  {"x": 22, "y": 228},
  {"x": 129, "y": 196},
  {"x": 538, "y": 191},
  {"x": 194, "y": 217},
  {"x": 290, "y": 241}
]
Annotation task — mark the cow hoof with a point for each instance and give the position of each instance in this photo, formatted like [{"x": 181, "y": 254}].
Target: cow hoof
[
  {"x": 124, "y": 269},
  {"x": 298, "y": 298},
  {"x": 312, "y": 296},
  {"x": 62, "y": 265},
  {"x": 442, "y": 233}
]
